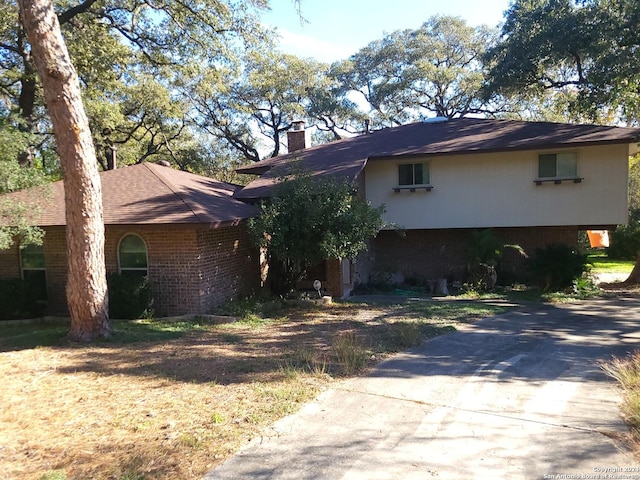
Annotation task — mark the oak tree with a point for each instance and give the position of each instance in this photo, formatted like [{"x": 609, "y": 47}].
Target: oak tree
[{"x": 437, "y": 69}]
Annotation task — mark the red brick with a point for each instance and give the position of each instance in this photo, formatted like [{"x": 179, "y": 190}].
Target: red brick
[{"x": 191, "y": 269}]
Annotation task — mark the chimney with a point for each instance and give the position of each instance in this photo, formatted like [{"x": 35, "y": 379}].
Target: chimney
[
  {"x": 296, "y": 137},
  {"x": 110, "y": 152}
]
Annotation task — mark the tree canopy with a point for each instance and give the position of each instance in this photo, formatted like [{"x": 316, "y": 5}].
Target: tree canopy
[
  {"x": 437, "y": 69},
  {"x": 587, "y": 49},
  {"x": 129, "y": 57}
]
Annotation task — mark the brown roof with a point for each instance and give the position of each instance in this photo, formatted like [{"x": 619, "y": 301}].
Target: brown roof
[
  {"x": 149, "y": 194},
  {"x": 347, "y": 158}
]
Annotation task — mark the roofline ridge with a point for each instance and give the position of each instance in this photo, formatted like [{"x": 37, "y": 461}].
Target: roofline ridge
[{"x": 171, "y": 187}]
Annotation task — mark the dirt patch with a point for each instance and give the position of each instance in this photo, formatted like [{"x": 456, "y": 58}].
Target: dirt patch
[
  {"x": 176, "y": 408},
  {"x": 619, "y": 288}
]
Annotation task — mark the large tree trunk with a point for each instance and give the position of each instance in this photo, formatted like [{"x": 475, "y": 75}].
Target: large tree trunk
[
  {"x": 634, "y": 276},
  {"x": 86, "y": 284}
]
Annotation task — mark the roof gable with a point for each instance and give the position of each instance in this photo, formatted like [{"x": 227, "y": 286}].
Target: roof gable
[
  {"x": 148, "y": 194},
  {"x": 346, "y": 158}
]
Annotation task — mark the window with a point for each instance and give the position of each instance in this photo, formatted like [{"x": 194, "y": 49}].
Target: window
[
  {"x": 557, "y": 165},
  {"x": 132, "y": 256},
  {"x": 34, "y": 272},
  {"x": 413, "y": 174}
]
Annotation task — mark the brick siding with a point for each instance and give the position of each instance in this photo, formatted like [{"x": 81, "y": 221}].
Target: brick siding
[
  {"x": 229, "y": 266},
  {"x": 431, "y": 254},
  {"x": 10, "y": 262},
  {"x": 55, "y": 258},
  {"x": 191, "y": 269}
]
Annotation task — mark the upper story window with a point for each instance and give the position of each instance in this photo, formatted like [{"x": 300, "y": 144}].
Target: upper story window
[
  {"x": 410, "y": 174},
  {"x": 132, "y": 255},
  {"x": 557, "y": 165},
  {"x": 34, "y": 272}
]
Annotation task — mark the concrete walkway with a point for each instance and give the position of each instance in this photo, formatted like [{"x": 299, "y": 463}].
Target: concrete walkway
[{"x": 518, "y": 396}]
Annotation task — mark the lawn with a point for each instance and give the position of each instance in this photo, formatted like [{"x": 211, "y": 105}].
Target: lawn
[
  {"x": 171, "y": 400},
  {"x": 600, "y": 263}
]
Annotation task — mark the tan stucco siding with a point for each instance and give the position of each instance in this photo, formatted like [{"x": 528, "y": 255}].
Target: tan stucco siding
[{"x": 498, "y": 190}]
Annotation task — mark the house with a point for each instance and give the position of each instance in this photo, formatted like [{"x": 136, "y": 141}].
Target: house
[
  {"x": 185, "y": 232},
  {"x": 533, "y": 183}
]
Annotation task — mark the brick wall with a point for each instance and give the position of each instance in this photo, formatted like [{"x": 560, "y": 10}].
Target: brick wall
[
  {"x": 228, "y": 267},
  {"x": 431, "y": 254},
  {"x": 54, "y": 246},
  {"x": 530, "y": 239},
  {"x": 172, "y": 254},
  {"x": 191, "y": 270},
  {"x": 55, "y": 257},
  {"x": 10, "y": 263}
]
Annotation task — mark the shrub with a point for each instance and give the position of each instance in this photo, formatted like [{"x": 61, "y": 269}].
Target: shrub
[
  {"x": 625, "y": 240},
  {"x": 254, "y": 307},
  {"x": 130, "y": 297},
  {"x": 308, "y": 220},
  {"x": 485, "y": 252},
  {"x": 557, "y": 267},
  {"x": 485, "y": 247},
  {"x": 18, "y": 300}
]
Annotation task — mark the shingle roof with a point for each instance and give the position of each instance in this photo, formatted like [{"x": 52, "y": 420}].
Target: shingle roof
[
  {"x": 149, "y": 194},
  {"x": 347, "y": 158}
]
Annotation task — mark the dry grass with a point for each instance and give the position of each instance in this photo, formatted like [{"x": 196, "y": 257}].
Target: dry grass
[
  {"x": 627, "y": 373},
  {"x": 174, "y": 408}
]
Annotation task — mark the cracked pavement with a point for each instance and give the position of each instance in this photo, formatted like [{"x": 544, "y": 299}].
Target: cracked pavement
[{"x": 518, "y": 396}]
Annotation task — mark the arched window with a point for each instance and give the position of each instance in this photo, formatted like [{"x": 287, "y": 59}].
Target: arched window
[
  {"x": 34, "y": 272},
  {"x": 132, "y": 256}
]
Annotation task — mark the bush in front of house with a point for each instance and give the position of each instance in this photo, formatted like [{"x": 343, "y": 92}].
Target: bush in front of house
[
  {"x": 557, "y": 267},
  {"x": 130, "y": 297},
  {"x": 18, "y": 300},
  {"x": 485, "y": 252}
]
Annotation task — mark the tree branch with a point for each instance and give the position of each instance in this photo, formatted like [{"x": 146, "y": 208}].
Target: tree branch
[{"x": 67, "y": 15}]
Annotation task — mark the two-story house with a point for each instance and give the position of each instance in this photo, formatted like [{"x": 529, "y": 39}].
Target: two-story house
[{"x": 533, "y": 183}]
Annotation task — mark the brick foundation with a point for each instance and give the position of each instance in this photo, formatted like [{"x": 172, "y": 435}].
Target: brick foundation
[{"x": 430, "y": 254}]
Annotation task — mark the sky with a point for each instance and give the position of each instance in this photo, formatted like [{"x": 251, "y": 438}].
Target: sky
[{"x": 335, "y": 29}]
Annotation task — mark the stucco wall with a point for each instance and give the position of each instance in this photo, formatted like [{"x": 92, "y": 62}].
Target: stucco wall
[{"x": 498, "y": 190}]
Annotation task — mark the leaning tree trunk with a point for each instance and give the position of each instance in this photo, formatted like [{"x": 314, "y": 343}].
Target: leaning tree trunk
[
  {"x": 634, "y": 276},
  {"x": 86, "y": 283}
]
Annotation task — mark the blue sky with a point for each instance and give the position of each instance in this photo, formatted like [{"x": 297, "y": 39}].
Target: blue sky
[{"x": 336, "y": 29}]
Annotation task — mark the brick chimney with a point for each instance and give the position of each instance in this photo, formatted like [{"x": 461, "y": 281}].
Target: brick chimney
[{"x": 296, "y": 137}]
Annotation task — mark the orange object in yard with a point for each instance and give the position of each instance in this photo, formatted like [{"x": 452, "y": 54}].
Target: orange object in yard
[{"x": 598, "y": 238}]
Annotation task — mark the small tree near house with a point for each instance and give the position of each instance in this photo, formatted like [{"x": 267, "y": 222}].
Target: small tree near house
[{"x": 308, "y": 220}]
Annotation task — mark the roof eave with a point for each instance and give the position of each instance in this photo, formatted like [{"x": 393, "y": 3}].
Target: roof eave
[{"x": 634, "y": 148}]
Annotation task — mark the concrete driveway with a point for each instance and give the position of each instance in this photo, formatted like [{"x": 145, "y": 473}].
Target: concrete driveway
[{"x": 518, "y": 396}]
